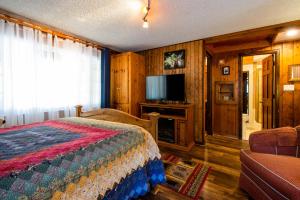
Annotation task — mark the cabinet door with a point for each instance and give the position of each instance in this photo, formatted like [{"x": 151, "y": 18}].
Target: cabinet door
[
  {"x": 181, "y": 131},
  {"x": 114, "y": 79},
  {"x": 122, "y": 83}
]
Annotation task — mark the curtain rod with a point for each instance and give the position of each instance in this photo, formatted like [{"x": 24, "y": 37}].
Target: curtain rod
[{"x": 46, "y": 29}]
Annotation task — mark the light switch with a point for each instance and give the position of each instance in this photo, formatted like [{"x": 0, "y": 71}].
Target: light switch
[{"x": 288, "y": 88}]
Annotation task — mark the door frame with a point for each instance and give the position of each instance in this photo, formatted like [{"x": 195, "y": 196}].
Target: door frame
[
  {"x": 243, "y": 86},
  {"x": 209, "y": 102},
  {"x": 275, "y": 85}
]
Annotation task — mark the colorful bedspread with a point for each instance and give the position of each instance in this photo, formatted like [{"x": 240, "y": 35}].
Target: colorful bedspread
[{"x": 77, "y": 158}]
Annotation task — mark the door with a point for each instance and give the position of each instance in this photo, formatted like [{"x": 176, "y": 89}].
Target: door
[
  {"x": 119, "y": 79},
  {"x": 267, "y": 100}
]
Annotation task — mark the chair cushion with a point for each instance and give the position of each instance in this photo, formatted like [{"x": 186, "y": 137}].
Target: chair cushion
[{"x": 276, "y": 174}]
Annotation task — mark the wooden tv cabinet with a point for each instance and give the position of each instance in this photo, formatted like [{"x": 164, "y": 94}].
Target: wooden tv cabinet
[{"x": 175, "y": 124}]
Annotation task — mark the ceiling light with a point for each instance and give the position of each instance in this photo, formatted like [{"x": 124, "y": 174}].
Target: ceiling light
[
  {"x": 145, "y": 24},
  {"x": 146, "y": 12},
  {"x": 292, "y": 32}
]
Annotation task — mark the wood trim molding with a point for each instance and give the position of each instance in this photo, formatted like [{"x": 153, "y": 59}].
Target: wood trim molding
[
  {"x": 273, "y": 29},
  {"x": 239, "y": 47},
  {"x": 15, "y": 18},
  {"x": 276, "y": 85}
]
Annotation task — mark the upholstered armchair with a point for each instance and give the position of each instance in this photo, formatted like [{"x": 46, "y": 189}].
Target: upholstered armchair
[
  {"x": 279, "y": 141},
  {"x": 271, "y": 168}
]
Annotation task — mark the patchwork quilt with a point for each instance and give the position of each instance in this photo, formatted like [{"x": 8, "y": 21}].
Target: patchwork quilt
[{"x": 78, "y": 158}]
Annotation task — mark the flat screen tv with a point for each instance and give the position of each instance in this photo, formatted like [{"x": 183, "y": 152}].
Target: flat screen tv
[{"x": 165, "y": 87}]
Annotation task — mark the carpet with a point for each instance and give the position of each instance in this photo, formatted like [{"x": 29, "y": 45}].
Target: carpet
[{"x": 186, "y": 177}]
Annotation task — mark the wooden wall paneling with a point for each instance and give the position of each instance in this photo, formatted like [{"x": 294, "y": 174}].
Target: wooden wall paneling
[
  {"x": 156, "y": 63},
  {"x": 194, "y": 79},
  {"x": 225, "y": 116},
  {"x": 287, "y": 114},
  {"x": 297, "y": 86},
  {"x": 296, "y": 104},
  {"x": 231, "y": 121},
  {"x": 279, "y": 81},
  {"x": 287, "y": 102},
  {"x": 131, "y": 76},
  {"x": 193, "y": 73}
]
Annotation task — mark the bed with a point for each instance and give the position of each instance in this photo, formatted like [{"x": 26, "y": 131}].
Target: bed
[{"x": 102, "y": 154}]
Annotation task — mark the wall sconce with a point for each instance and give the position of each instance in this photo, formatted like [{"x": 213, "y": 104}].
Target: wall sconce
[{"x": 221, "y": 62}]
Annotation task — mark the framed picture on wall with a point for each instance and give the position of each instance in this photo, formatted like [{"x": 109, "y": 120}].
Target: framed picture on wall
[
  {"x": 226, "y": 70},
  {"x": 174, "y": 59}
]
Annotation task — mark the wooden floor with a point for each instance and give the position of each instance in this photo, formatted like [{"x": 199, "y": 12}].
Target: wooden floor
[{"x": 222, "y": 154}]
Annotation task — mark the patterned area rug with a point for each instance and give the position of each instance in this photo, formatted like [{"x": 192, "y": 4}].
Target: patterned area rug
[{"x": 186, "y": 177}]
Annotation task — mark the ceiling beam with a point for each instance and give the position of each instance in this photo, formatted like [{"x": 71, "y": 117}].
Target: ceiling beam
[
  {"x": 267, "y": 30},
  {"x": 239, "y": 46}
]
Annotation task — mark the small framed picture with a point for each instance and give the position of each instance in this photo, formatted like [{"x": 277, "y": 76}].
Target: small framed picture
[{"x": 226, "y": 70}]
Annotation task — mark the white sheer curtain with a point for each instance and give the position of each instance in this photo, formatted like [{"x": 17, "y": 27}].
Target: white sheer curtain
[{"x": 44, "y": 77}]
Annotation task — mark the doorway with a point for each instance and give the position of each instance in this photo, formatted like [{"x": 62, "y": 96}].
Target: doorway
[{"x": 258, "y": 88}]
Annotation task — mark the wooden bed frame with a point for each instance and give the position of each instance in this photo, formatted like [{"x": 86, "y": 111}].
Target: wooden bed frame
[{"x": 113, "y": 115}]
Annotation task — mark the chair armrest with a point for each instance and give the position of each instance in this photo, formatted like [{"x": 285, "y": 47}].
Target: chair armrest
[
  {"x": 281, "y": 141},
  {"x": 298, "y": 134}
]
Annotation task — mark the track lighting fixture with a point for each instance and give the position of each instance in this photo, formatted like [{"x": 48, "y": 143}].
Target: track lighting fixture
[{"x": 146, "y": 12}]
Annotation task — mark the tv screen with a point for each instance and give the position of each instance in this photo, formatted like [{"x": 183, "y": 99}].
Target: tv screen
[{"x": 165, "y": 87}]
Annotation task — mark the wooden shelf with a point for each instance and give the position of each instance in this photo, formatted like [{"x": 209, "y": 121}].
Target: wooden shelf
[{"x": 225, "y": 92}]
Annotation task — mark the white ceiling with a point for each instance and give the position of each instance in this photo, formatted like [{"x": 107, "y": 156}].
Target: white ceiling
[{"x": 115, "y": 24}]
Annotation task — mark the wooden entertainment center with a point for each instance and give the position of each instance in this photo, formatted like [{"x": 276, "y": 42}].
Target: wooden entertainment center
[{"x": 175, "y": 124}]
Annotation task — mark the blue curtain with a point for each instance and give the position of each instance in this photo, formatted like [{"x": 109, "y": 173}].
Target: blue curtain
[{"x": 105, "y": 78}]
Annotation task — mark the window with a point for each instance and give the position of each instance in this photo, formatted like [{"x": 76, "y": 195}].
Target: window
[{"x": 42, "y": 75}]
